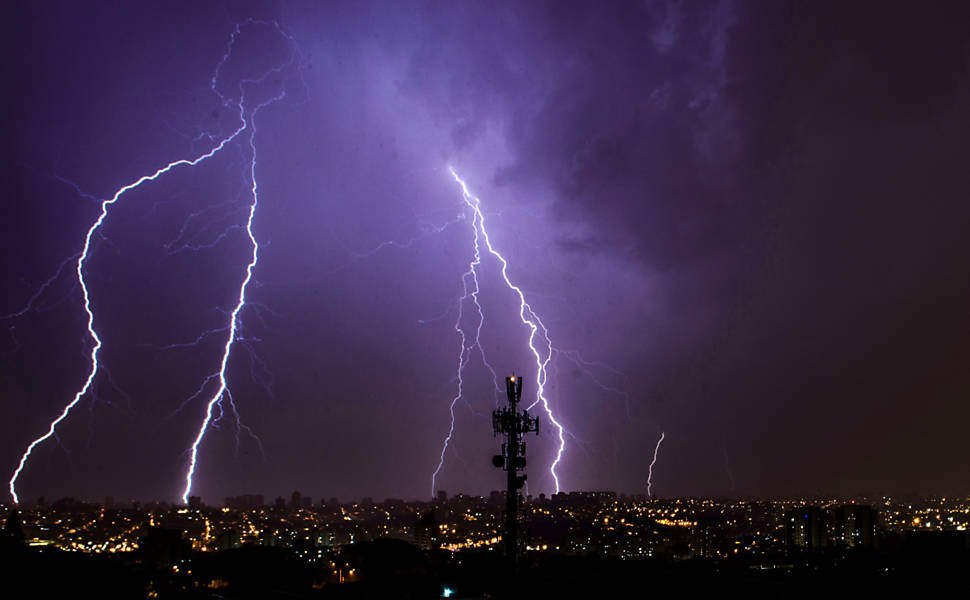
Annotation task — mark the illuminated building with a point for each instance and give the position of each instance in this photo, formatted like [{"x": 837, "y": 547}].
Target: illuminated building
[{"x": 805, "y": 528}]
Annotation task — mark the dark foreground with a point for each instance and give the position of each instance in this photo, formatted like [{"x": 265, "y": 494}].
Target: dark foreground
[{"x": 396, "y": 569}]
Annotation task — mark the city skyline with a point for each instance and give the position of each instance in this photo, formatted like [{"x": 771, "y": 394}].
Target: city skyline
[{"x": 576, "y": 523}]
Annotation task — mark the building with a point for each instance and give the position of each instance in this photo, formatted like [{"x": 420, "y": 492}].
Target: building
[
  {"x": 805, "y": 528},
  {"x": 427, "y": 531},
  {"x": 229, "y": 539},
  {"x": 860, "y": 526},
  {"x": 163, "y": 547},
  {"x": 846, "y": 526}
]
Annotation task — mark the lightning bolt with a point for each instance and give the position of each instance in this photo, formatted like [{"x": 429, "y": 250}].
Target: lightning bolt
[
  {"x": 245, "y": 122},
  {"x": 470, "y": 291},
  {"x": 539, "y": 342},
  {"x": 79, "y": 268},
  {"x": 215, "y": 401},
  {"x": 652, "y": 463},
  {"x": 234, "y": 319}
]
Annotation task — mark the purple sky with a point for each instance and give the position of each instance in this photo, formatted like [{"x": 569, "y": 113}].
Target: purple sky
[{"x": 749, "y": 220}]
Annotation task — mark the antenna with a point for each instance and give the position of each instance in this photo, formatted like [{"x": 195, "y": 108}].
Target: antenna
[{"x": 512, "y": 424}]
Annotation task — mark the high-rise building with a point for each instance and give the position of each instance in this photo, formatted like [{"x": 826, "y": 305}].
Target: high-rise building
[
  {"x": 805, "y": 528},
  {"x": 860, "y": 526},
  {"x": 847, "y": 526},
  {"x": 427, "y": 531},
  {"x": 13, "y": 529},
  {"x": 228, "y": 539},
  {"x": 296, "y": 503}
]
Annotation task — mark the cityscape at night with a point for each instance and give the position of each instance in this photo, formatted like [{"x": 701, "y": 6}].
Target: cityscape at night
[
  {"x": 539, "y": 298},
  {"x": 173, "y": 549},
  {"x": 576, "y": 523}
]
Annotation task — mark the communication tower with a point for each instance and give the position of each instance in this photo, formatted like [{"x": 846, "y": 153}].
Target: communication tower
[{"x": 512, "y": 423}]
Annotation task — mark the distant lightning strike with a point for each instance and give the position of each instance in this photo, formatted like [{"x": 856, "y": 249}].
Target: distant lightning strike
[
  {"x": 652, "y": 463},
  {"x": 538, "y": 333}
]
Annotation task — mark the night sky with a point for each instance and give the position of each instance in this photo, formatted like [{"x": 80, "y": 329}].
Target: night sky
[{"x": 745, "y": 225}]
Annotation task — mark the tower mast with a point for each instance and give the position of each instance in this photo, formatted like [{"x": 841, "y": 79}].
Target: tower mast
[{"x": 512, "y": 423}]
